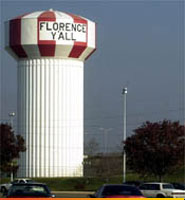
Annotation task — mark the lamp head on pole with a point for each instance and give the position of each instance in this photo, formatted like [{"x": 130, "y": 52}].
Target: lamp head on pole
[
  {"x": 12, "y": 114},
  {"x": 124, "y": 91}
]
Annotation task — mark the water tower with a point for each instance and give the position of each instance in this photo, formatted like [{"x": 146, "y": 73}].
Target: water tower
[{"x": 51, "y": 47}]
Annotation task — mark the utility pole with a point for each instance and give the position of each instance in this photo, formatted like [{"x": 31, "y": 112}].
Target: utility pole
[
  {"x": 124, "y": 93},
  {"x": 11, "y": 115}
]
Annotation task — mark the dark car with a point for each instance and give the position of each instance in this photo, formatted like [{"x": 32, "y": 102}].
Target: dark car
[
  {"x": 179, "y": 186},
  {"x": 29, "y": 190},
  {"x": 117, "y": 191}
]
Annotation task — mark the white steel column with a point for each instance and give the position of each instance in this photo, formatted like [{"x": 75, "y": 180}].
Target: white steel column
[{"x": 50, "y": 104}]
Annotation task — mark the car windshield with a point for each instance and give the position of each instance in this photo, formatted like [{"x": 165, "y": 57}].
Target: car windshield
[
  {"x": 121, "y": 190},
  {"x": 29, "y": 181},
  {"x": 28, "y": 190},
  {"x": 168, "y": 186}
]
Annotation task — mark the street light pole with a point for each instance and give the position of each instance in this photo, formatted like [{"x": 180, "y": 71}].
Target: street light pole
[
  {"x": 11, "y": 115},
  {"x": 124, "y": 92}
]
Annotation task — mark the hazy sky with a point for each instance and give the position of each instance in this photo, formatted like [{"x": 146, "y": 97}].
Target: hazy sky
[{"x": 140, "y": 44}]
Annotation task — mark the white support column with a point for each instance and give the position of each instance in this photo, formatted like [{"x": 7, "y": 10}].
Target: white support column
[{"x": 51, "y": 104}]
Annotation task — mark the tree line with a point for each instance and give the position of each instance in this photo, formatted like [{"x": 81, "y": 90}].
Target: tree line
[{"x": 154, "y": 148}]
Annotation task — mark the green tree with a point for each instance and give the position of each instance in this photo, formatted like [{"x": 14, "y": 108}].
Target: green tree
[
  {"x": 10, "y": 147},
  {"x": 155, "y": 148}
]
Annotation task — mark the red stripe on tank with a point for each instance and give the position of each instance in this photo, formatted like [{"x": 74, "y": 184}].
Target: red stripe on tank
[
  {"x": 79, "y": 47},
  {"x": 77, "y": 19},
  {"x": 15, "y": 37},
  {"x": 46, "y": 47}
]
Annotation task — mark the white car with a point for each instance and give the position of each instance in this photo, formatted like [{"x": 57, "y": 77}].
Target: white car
[
  {"x": 161, "y": 190},
  {"x": 5, "y": 187}
]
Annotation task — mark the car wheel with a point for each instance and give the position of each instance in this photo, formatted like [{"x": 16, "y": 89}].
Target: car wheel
[
  {"x": 160, "y": 196},
  {"x": 3, "y": 189}
]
